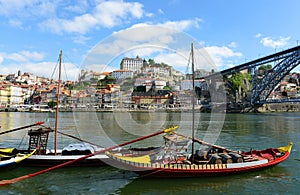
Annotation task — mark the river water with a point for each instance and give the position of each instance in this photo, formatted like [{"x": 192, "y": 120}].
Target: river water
[{"x": 234, "y": 131}]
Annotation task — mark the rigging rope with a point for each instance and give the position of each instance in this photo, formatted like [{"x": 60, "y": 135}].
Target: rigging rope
[
  {"x": 71, "y": 136},
  {"x": 57, "y": 63}
]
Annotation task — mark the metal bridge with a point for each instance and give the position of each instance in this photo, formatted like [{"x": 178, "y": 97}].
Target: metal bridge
[{"x": 283, "y": 61}]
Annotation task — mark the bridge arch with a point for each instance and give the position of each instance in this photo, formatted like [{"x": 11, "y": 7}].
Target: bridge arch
[{"x": 284, "y": 62}]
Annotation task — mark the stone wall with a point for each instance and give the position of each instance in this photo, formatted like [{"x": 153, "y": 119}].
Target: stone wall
[{"x": 280, "y": 107}]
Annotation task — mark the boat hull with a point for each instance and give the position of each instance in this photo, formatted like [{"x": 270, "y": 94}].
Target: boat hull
[
  {"x": 13, "y": 162},
  {"x": 48, "y": 160},
  {"x": 259, "y": 160},
  {"x": 52, "y": 160},
  {"x": 209, "y": 170}
]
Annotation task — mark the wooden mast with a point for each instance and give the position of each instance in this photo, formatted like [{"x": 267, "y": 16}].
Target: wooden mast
[
  {"x": 193, "y": 101},
  {"x": 57, "y": 103}
]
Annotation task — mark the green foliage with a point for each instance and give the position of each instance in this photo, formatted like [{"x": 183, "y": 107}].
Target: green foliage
[
  {"x": 104, "y": 82},
  {"x": 168, "y": 88},
  {"x": 51, "y": 104},
  {"x": 151, "y": 62},
  {"x": 237, "y": 79},
  {"x": 140, "y": 89},
  {"x": 79, "y": 86},
  {"x": 265, "y": 67}
]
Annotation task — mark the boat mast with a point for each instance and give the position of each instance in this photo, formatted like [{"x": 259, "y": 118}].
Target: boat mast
[
  {"x": 57, "y": 103},
  {"x": 193, "y": 101}
]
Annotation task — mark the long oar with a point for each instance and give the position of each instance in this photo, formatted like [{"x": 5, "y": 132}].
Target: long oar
[
  {"x": 11, "y": 181},
  {"x": 19, "y": 128}
]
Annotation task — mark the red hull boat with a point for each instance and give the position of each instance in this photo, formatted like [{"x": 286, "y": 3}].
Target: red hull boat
[{"x": 215, "y": 161}]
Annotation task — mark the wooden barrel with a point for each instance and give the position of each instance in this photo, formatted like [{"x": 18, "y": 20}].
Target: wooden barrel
[
  {"x": 214, "y": 159},
  {"x": 227, "y": 159},
  {"x": 236, "y": 157}
]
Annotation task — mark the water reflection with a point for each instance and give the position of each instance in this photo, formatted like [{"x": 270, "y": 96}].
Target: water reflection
[{"x": 240, "y": 131}]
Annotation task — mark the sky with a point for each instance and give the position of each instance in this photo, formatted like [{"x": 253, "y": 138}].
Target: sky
[{"x": 97, "y": 34}]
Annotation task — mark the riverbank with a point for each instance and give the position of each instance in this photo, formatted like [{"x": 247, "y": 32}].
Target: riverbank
[
  {"x": 280, "y": 107},
  {"x": 236, "y": 108}
]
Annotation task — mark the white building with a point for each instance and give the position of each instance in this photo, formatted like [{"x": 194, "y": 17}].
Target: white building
[
  {"x": 122, "y": 74},
  {"x": 133, "y": 64},
  {"x": 157, "y": 70}
]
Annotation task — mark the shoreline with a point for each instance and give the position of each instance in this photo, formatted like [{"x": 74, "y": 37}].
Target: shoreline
[{"x": 266, "y": 108}]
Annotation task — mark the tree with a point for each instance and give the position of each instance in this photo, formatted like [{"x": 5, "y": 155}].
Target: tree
[
  {"x": 104, "y": 82},
  {"x": 237, "y": 79},
  {"x": 151, "y": 62},
  {"x": 51, "y": 104},
  {"x": 265, "y": 67}
]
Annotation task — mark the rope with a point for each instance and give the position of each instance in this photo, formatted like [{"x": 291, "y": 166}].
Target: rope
[
  {"x": 71, "y": 136},
  {"x": 206, "y": 143}
]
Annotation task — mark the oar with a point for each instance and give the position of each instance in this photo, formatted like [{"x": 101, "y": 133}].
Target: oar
[
  {"x": 19, "y": 128},
  {"x": 11, "y": 181}
]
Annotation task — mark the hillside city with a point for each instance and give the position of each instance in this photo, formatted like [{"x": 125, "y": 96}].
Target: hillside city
[{"x": 138, "y": 84}]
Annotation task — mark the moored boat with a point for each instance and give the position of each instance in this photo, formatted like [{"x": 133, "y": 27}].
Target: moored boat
[
  {"x": 210, "y": 160},
  {"x": 10, "y": 158},
  {"x": 180, "y": 159},
  {"x": 45, "y": 157}
]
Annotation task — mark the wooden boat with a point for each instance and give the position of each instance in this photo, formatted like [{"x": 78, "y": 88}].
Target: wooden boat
[
  {"x": 38, "y": 153},
  {"x": 48, "y": 158},
  {"x": 10, "y": 158},
  {"x": 179, "y": 158},
  {"x": 45, "y": 157},
  {"x": 38, "y": 138},
  {"x": 211, "y": 160}
]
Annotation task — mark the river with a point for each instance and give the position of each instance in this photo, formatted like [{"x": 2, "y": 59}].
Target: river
[{"x": 234, "y": 131}]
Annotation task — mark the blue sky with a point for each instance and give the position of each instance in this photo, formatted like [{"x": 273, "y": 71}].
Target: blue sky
[{"x": 96, "y": 34}]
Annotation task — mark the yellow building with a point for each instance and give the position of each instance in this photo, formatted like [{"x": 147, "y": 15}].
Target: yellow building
[
  {"x": 3, "y": 96},
  {"x": 11, "y": 95}
]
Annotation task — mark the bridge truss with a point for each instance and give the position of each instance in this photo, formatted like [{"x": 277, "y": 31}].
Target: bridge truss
[{"x": 284, "y": 62}]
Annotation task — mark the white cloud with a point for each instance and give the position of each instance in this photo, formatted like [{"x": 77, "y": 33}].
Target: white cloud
[
  {"x": 44, "y": 69},
  {"x": 182, "y": 24},
  {"x": 99, "y": 68},
  {"x": 28, "y": 61},
  {"x": 164, "y": 41},
  {"x": 79, "y": 7},
  {"x": 161, "y": 11},
  {"x": 27, "y": 8},
  {"x": 23, "y": 56},
  {"x": 111, "y": 13},
  {"x": 269, "y": 42},
  {"x": 221, "y": 54},
  {"x": 80, "y": 39},
  {"x": 232, "y": 45},
  {"x": 258, "y": 35},
  {"x": 15, "y": 23},
  {"x": 65, "y": 16},
  {"x": 145, "y": 34},
  {"x": 106, "y": 14}
]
